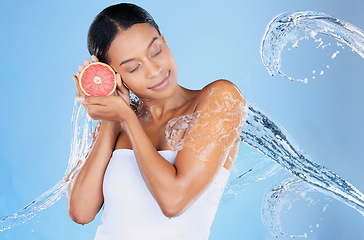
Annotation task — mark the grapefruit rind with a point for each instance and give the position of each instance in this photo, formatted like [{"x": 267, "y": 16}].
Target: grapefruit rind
[{"x": 92, "y": 64}]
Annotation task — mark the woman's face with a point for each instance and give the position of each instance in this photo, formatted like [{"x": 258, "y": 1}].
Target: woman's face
[{"x": 144, "y": 61}]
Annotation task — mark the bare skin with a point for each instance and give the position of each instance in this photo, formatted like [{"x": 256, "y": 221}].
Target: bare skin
[{"x": 147, "y": 62}]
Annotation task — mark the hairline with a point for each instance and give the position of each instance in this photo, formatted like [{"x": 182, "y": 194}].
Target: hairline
[{"x": 120, "y": 30}]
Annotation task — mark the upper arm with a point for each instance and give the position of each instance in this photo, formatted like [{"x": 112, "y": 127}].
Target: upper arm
[{"x": 209, "y": 140}]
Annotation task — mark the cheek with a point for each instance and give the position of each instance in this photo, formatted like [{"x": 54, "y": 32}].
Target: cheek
[
  {"x": 133, "y": 83},
  {"x": 169, "y": 59}
]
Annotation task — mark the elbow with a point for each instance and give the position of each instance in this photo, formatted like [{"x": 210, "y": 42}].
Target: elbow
[
  {"x": 172, "y": 209},
  {"x": 176, "y": 200},
  {"x": 80, "y": 217},
  {"x": 171, "y": 212}
]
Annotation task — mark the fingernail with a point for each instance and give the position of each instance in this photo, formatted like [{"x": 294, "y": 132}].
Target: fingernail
[{"x": 80, "y": 98}]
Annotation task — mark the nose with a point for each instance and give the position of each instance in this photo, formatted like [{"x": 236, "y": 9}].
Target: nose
[{"x": 153, "y": 69}]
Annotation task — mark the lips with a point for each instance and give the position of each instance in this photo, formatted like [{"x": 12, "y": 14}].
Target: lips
[{"x": 160, "y": 85}]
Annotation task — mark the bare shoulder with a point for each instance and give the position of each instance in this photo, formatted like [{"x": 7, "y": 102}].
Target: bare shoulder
[{"x": 220, "y": 91}]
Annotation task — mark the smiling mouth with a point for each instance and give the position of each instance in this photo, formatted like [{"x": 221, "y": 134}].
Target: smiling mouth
[{"x": 162, "y": 83}]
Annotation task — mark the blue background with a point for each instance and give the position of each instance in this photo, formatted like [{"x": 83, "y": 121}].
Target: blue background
[{"x": 43, "y": 42}]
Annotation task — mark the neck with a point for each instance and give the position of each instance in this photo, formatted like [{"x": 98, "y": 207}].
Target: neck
[{"x": 158, "y": 109}]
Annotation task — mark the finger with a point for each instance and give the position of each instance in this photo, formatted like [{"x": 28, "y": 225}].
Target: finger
[
  {"x": 80, "y": 68},
  {"x": 94, "y": 58},
  {"x": 86, "y": 62},
  {"x": 92, "y": 101},
  {"x": 78, "y": 89},
  {"x": 76, "y": 83},
  {"x": 95, "y": 110},
  {"x": 120, "y": 86}
]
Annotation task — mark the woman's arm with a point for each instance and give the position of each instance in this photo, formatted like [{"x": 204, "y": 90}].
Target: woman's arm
[
  {"x": 207, "y": 146},
  {"x": 86, "y": 196}
]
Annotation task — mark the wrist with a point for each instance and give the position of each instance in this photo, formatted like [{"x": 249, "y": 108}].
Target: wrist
[
  {"x": 127, "y": 118},
  {"x": 110, "y": 126}
]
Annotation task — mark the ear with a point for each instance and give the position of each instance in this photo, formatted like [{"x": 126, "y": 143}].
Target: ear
[{"x": 164, "y": 40}]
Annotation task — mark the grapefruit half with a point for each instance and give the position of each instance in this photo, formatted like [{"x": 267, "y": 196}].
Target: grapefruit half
[{"x": 97, "y": 79}]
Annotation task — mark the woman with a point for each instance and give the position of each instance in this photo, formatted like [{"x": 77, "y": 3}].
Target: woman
[{"x": 158, "y": 170}]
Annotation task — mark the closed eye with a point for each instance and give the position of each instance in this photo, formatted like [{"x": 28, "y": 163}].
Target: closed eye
[
  {"x": 160, "y": 50},
  {"x": 156, "y": 49},
  {"x": 154, "y": 55},
  {"x": 134, "y": 69}
]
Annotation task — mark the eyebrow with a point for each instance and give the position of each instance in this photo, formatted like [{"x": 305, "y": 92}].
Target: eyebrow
[{"x": 131, "y": 59}]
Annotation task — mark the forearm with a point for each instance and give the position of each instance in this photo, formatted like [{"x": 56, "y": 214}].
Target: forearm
[
  {"x": 86, "y": 195},
  {"x": 159, "y": 175}
]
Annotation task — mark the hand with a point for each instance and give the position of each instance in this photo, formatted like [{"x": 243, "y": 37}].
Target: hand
[
  {"x": 113, "y": 108},
  {"x": 79, "y": 93}
]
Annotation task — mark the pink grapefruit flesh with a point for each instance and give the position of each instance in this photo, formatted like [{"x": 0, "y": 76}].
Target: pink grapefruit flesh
[{"x": 97, "y": 79}]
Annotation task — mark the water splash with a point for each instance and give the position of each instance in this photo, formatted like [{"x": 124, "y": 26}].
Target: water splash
[
  {"x": 82, "y": 131},
  {"x": 296, "y": 26},
  {"x": 42, "y": 202},
  {"x": 242, "y": 179},
  {"x": 176, "y": 130},
  {"x": 293, "y": 27},
  {"x": 263, "y": 134},
  {"x": 281, "y": 196}
]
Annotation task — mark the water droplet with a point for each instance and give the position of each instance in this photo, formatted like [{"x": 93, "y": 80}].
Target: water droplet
[{"x": 334, "y": 55}]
